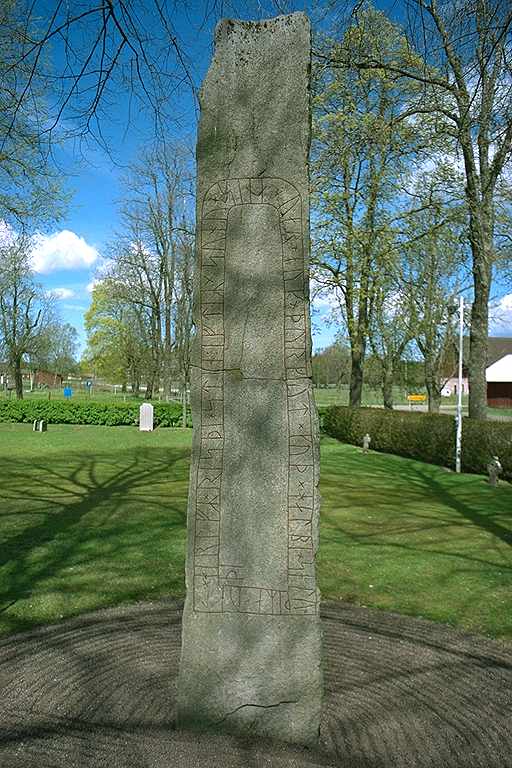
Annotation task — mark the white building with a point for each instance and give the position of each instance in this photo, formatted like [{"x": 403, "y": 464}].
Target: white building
[
  {"x": 499, "y": 383},
  {"x": 498, "y": 373},
  {"x": 451, "y": 386}
]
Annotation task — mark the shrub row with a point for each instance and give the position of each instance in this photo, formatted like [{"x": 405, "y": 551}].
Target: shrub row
[
  {"x": 322, "y": 410},
  {"x": 429, "y": 437},
  {"x": 106, "y": 414}
]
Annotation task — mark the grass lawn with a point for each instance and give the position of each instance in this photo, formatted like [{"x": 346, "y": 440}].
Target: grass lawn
[
  {"x": 82, "y": 396},
  {"x": 340, "y": 395},
  {"x": 90, "y": 517},
  {"x": 500, "y": 413},
  {"x": 95, "y": 516}
]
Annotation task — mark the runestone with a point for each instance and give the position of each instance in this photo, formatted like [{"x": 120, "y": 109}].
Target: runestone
[{"x": 251, "y": 644}]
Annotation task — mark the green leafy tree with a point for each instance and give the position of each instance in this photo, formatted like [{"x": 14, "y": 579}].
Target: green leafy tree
[
  {"x": 390, "y": 334},
  {"x": 332, "y": 365},
  {"x": 363, "y": 146},
  {"x": 465, "y": 74},
  {"x": 116, "y": 348},
  {"x": 434, "y": 272}
]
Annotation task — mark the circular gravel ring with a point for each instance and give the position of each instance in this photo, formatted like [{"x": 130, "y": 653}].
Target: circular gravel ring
[{"x": 400, "y": 692}]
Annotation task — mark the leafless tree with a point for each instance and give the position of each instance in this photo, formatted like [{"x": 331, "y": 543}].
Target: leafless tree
[
  {"x": 362, "y": 150},
  {"x": 104, "y": 46},
  {"x": 146, "y": 258},
  {"x": 183, "y": 321},
  {"x": 25, "y": 309}
]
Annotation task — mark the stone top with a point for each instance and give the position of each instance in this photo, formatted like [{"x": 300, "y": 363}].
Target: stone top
[{"x": 247, "y": 74}]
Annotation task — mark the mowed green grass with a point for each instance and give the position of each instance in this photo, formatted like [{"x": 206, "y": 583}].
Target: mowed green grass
[
  {"x": 96, "y": 516},
  {"x": 340, "y": 395},
  {"x": 82, "y": 395},
  {"x": 90, "y": 517}
]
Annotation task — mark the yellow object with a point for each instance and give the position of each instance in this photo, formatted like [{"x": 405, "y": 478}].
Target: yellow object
[{"x": 416, "y": 398}]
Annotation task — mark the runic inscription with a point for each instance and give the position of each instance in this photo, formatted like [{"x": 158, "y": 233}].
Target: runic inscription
[{"x": 220, "y": 587}]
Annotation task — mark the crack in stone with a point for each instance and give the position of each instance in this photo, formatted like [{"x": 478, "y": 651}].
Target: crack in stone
[
  {"x": 243, "y": 342},
  {"x": 237, "y": 370},
  {"x": 259, "y": 706}
]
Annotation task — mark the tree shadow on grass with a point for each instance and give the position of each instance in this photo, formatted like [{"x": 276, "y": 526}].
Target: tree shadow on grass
[
  {"x": 457, "y": 528},
  {"x": 77, "y": 526},
  {"x": 489, "y": 522},
  {"x": 485, "y": 507}
]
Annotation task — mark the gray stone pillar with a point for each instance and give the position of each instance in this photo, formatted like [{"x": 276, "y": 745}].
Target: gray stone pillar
[{"x": 251, "y": 651}]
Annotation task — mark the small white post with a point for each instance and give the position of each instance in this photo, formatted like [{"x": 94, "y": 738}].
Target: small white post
[{"x": 458, "y": 443}]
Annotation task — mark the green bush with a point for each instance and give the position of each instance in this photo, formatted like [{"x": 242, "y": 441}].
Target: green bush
[
  {"x": 105, "y": 414},
  {"x": 428, "y": 437},
  {"x": 322, "y": 410}
]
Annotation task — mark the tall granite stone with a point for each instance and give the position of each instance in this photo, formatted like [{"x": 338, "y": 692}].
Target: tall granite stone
[{"x": 251, "y": 646}]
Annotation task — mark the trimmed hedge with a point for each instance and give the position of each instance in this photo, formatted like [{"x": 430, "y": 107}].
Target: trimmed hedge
[
  {"x": 105, "y": 414},
  {"x": 429, "y": 437},
  {"x": 322, "y": 410}
]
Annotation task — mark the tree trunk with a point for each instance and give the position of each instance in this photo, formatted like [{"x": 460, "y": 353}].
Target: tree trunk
[
  {"x": 167, "y": 356},
  {"x": 387, "y": 387},
  {"x": 478, "y": 356},
  {"x": 184, "y": 405},
  {"x": 123, "y": 387},
  {"x": 481, "y": 229},
  {"x": 18, "y": 379},
  {"x": 149, "y": 389},
  {"x": 434, "y": 395},
  {"x": 167, "y": 382},
  {"x": 356, "y": 376},
  {"x": 479, "y": 327}
]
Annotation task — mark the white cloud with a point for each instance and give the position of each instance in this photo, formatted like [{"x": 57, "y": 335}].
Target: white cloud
[
  {"x": 324, "y": 302},
  {"x": 323, "y": 299},
  {"x": 62, "y": 250},
  {"x": 7, "y": 233},
  {"x": 500, "y": 316},
  {"x": 62, "y": 293}
]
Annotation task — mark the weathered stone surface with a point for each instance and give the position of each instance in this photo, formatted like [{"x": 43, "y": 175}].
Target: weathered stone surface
[
  {"x": 146, "y": 417},
  {"x": 251, "y": 634}
]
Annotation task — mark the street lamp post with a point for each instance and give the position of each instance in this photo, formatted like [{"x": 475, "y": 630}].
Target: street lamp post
[{"x": 458, "y": 443}]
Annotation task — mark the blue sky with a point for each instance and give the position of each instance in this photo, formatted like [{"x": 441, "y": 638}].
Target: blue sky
[{"x": 67, "y": 257}]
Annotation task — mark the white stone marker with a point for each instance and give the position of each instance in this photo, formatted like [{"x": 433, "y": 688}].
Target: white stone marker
[
  {"x": 494, "y": 470},
  {"x": 146, "y": 418}
]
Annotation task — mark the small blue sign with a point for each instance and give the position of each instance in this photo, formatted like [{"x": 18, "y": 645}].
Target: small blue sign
[
  {"x": 68, "y": 392},
  {"x": 88, "y": 384}
]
